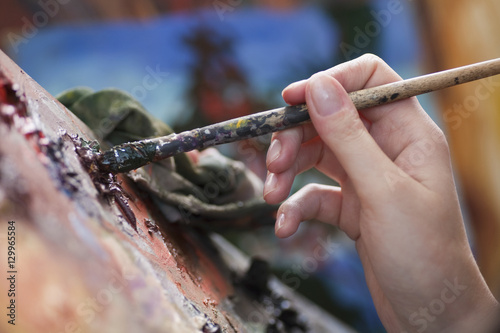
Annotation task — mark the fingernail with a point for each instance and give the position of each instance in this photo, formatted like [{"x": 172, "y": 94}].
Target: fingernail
[
  {"x": 280, "y": 222},
  {"x": 270, "y": 184},
  {"x": 324, "y": 95},
  {"x": 274, "y": 151}
]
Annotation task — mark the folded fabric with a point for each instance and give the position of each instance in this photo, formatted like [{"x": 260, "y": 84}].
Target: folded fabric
[{"x": 214, "y": 192}]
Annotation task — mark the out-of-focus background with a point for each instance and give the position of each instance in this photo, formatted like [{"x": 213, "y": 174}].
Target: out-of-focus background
[{"x": 196, "y": 62}]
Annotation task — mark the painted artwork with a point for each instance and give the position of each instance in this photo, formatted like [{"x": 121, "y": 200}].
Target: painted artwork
[{"x": 190, "y": 64}]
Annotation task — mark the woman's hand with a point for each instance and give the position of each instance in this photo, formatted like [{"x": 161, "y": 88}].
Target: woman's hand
[{"x": 396, "y": 200}]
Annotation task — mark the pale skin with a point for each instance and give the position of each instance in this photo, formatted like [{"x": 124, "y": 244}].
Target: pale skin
[{"x": 397, "y": 199}]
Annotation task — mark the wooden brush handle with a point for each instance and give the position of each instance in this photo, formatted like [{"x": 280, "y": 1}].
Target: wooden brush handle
[{"x": 396, "y": 91}]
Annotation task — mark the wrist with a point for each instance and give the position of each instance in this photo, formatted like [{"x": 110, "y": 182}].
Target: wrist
[{"x": 458, "y": 307}]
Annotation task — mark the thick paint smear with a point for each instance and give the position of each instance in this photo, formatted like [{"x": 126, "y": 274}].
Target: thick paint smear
[
  {"x": 105, "y": 182},
  {"x": 14, "y": 113}
]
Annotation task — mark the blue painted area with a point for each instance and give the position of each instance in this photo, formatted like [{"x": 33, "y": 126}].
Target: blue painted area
[
  {"x": 399, "y": 40},
  {"x": 122, "y": 54}
]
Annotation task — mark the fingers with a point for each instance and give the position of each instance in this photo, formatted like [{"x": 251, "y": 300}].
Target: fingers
[
  {"x": 284, "y": 161},
  {"x": 284, "y": 148},
  {"x": 397, "y": 133},
  {"x": 368, "y": 71},
  {"x": 296, "y": 160},
  {"x": 295, "y": 93},
  {"x": 338, "y": 124},
  {"x": 277, "y": 186},
  {"x": 313, "y": 201},
  {"x": 364, "y": 72}
]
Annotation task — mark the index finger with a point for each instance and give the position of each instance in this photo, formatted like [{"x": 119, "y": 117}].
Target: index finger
[
  {"x": 364, "y": 72},
  {"x": 369, "y": 71}
]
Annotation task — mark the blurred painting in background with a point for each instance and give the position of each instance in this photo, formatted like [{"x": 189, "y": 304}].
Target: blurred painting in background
[{"x": 192, "y": 63}]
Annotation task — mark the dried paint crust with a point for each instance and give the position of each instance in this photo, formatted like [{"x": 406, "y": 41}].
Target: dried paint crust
[{"x": 127, "y": 157}]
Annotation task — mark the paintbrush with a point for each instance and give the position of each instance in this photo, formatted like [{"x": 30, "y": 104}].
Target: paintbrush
[{"x": 132, "y": 155}]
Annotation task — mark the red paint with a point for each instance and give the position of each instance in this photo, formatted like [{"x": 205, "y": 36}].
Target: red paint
[
  {"x": 182, "y": 255},
  {"x": 14, "y": 113}
]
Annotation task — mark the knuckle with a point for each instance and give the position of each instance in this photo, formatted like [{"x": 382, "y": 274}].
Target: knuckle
[
  {"x": 373, "y": 61},
  {"x": 305, "y": 194},
  {"x": 371, "y": 58},
  {"x": 311, "y": 188},
  {"x": 319, "y": 74}
]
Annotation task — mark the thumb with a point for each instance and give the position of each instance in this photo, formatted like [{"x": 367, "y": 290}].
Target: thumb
[{"x": 338, "y": 124}]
